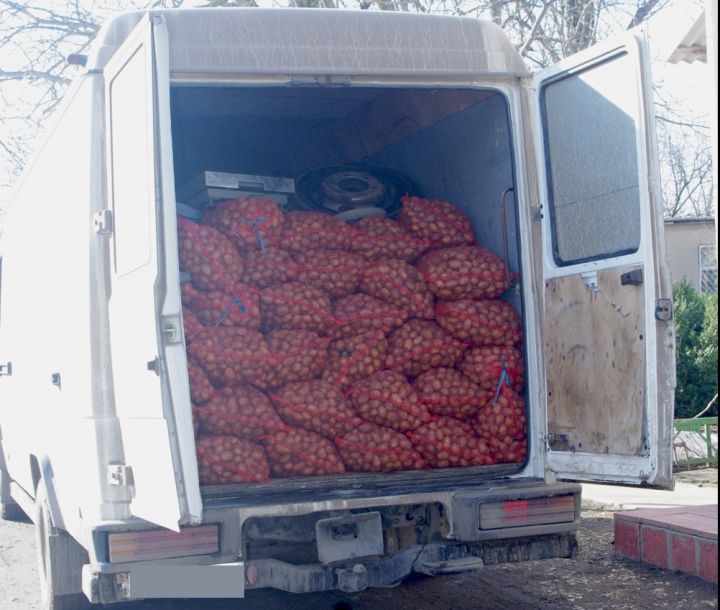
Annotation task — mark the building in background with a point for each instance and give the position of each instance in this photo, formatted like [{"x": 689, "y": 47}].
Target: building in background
[{"x": 692, "y": 252}]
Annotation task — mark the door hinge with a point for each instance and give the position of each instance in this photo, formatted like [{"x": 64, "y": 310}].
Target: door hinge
[
  {"x": 103, "y": 222},
  {"x": 663, "y": 309},
  {"x": 559, "y": 438},
  {"x": 119, "y": 474}
]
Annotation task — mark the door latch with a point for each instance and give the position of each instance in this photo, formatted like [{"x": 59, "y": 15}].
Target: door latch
[
  {"x": 170, "y": 331},
  {"x": 663, "y": 309},
  {"x": 560, "y": 438},
  {"x": 103, "y": 222},
  {"x": 6, "y": 369},
  {"x": 632, "y": 278}
]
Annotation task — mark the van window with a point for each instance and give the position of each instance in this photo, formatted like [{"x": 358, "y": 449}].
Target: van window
[
  {"x": 132, "y": 188},
  {"x": 592, "y": 164}
]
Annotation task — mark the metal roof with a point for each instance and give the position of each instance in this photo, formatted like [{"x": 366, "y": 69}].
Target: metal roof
[
  {"x": 693, "y": 46},
  {"x": 316, "y": 41}
]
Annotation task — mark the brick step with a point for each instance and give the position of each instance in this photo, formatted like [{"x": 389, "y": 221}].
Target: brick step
[{"x": 683, "y": 538}]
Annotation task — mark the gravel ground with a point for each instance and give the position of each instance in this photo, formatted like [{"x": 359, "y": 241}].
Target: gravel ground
[{"x": 595, "y": 580}]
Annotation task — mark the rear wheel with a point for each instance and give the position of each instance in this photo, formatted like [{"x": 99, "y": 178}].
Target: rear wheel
[{"x": 59, "y": 566}]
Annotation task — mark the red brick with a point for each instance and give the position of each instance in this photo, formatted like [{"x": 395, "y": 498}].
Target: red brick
[
  {"x": 654, "y": 545},
  {"x": 683, "y": 554},
  {"x": 627, "y": 539},
  {"x": 709, "y": 561}
]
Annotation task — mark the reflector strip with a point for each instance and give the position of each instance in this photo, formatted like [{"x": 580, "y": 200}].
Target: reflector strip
[
  {"x": 533, "y": 511},
  {"x": 163, "y": 544}
]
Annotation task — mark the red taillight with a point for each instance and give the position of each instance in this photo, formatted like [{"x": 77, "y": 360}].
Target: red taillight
[
  {"x": 163, "y": 544},
  {"x": 533, "y": 511}
]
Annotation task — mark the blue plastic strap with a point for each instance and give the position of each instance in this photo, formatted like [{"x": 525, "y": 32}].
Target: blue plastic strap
[
  {"x": 236, "y": 301},
  {"x": 255, "y": 224},
  {"x": 504, "y": 376}
]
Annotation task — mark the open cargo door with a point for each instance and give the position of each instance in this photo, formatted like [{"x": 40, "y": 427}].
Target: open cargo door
[
  {"x": 157, "y": 437},
  {"x": 608, "y": 328}
]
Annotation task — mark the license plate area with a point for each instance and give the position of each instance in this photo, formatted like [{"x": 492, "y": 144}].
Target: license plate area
[{"x": 349, "y": 537}]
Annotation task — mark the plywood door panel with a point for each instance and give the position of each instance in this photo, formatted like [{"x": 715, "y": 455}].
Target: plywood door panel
[{"x": 594, "y": 348}]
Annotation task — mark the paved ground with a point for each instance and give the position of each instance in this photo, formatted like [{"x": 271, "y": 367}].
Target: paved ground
[{"x": 595, "y": 580}]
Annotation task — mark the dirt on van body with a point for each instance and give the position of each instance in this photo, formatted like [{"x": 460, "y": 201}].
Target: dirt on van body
[{"x": 594, "y": 580}]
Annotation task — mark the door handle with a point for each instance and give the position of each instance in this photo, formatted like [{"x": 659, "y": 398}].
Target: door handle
[{"x": 6, "y": 369}]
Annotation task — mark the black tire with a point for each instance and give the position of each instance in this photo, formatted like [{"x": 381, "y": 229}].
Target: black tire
[{"x": 47, "y": 563}]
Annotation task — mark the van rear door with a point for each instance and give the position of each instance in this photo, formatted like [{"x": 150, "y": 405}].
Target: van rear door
[
  {"x": 608, "y": 333},
  {"x": 152, "y": 398}
]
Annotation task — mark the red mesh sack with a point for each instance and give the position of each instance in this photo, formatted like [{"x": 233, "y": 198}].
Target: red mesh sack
[
  {"x": 232, "y": 354},
  {"x": 241, "y": 411},
  {"x": 191, "y": 324},
  {"x": 316, "y": 406},
  {"x": 503, "y": 426},
  {"x": 336, "y": 272},
  {"x": 223, "y": 460},
  {"x": 300, "y": 355},
  {"x": 274, "y": 266},
  {"x": 448, "y": 392},
  {"x": 295, "y": 306},
  {"x": 352, "y": 358},
  {"x": 469, "y": 272},
  {"x": 250, "y": 223},
  {"x": 398, "y": 282},
  {"x": 360, "y": 313},
  {"x": 420, "y": 345},
  {"x": 484, "y": 365},
  {"x": 241, "y": 307},
  {"x": 436, "y": 220},
  {"x": 208, "y": 256},
  {"x": 383, "y": 237},
  {"x": 201, "y": 390},
  {"x": 386, "y": 398},
  {"x": 373, "y": 448},
  {"x": 301, "y": 453},
  {"x": 449, "y": 442},
  {"x": 486, "y": 322},
  {"x": 308, "y": 230}
]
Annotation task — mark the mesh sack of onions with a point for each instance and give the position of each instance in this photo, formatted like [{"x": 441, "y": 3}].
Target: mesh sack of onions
[
  {"x": 241, "y": 411},
  {"x": 386, "y": 398},
  {"x": 299, "y": 355},
  {"x": 232, "y": 354},
  {"x": 316, "y": 406},
  {"x": 484, "y": 365},
  {"x": 468, "y": 272},
  {"x": 307, "y": 230},
  {"x": 335, "y": 272},
  {"x": 301, "y": 453},
  {"x": 273, "y": 266},
  {"x": 373, "y": 448},
  {"x": 352, "y": 358},
  {"x": 201, "y": 390},
  {"x": 401, "y": 284},
  {"x": 502, "y": 425},
  {"x": 449, "y": 442},
  {"x": 250, "y": 223},
  {"x": 295, "y": 306},
  {"x": 486, "y": 322},
  {"x": 360, "y": 313},
  {"x": 208, "y": 256},
  {"x": 436, "y": 220},
  {"x": 383, "y": 237},
  {"x": 224, "y": 460},
  {"x": 191, "y": 324},
  {"x": 448, "y": 392},
  {"x": 420, "y": 345},
  {"x": 241, "y": 307}
]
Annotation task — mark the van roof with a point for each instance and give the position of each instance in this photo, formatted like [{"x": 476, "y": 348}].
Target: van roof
[{"x": 316, "y": 41}]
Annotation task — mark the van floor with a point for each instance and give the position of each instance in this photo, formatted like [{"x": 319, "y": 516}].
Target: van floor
[{"x": 595, "y": 580}]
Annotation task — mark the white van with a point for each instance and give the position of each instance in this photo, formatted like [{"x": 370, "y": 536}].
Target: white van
[{"x": 558, "y": 172}]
